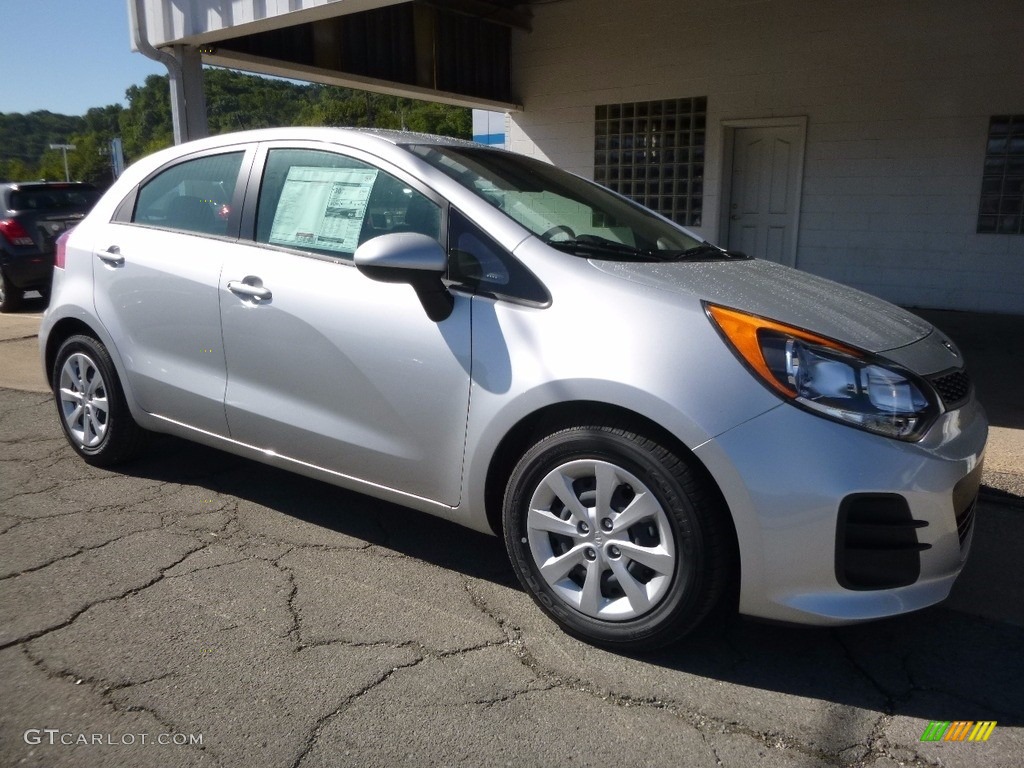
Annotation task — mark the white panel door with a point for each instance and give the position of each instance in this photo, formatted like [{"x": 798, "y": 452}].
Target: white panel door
[{"x": 764, "y": 198}]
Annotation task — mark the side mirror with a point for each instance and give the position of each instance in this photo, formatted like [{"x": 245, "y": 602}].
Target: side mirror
[{"x": 409, "y": 257}]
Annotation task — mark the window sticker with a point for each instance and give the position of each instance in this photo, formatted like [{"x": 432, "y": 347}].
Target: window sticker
[{"x": 322, "y": 208}]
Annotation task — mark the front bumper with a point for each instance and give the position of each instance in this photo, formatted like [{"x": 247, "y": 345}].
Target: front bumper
[{"x": 787, "y": 475}]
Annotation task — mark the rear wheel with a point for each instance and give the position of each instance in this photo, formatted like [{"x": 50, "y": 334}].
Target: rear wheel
[
  {"x": 11, "y": 297},
  {"x": 615, "y": 537},
  {"x": 91, "y": 404}
]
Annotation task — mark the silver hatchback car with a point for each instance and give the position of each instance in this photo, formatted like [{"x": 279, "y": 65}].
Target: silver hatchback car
[{"x": 657, "y": 426}]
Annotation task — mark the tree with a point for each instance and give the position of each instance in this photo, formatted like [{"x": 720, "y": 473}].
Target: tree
[
  {"x": 146, "y": 124},
  {"x": 428, "y": 117},
  {"x": 16, "y": 170},
  {"x": 51, "y": 165},
  {"x": 26, "y": 137},
  {"x": 235, "y": 101}
]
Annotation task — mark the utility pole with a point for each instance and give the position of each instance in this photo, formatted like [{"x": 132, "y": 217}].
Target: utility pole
[
  {"x": 64, "y": 149},
  {"x": 116, "y": 157}
]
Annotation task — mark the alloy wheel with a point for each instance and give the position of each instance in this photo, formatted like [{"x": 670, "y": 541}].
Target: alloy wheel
[
  {"x": 83, "y": 400},
  {"x": 601, "y": 540}
]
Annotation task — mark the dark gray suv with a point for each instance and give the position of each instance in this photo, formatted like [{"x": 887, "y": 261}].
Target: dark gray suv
[{"x": 32, "y": 216}]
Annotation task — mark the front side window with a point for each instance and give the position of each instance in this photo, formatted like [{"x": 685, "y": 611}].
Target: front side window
[
  {"x": 194, "y": 196},
  {"x": 329, "y": 204},
  {"x": 477, "y": 262}
]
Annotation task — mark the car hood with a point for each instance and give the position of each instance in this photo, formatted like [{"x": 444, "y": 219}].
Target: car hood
[{"x": 785, "y": 295}]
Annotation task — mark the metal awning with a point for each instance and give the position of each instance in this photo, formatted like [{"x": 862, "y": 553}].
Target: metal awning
[{"x": 451, "y": 51}]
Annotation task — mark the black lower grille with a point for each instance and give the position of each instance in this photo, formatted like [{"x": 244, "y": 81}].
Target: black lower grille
[
  {"x": 964, "y": 523},
  {"x": 876, "y": 542},
  {"x": 954, "y": 388},
  {"x": 965, "y": 499}
]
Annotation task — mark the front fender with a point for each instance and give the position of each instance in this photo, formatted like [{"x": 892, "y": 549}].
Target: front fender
[{"x": 528, "y": 359}]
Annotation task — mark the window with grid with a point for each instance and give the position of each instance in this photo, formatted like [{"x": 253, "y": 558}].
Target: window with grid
[
  {"x": 653, "y": 152},
  {"x": 1002, "y": 185}
]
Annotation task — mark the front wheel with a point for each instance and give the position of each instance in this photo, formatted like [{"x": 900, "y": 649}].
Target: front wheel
[
  {"x": 91, "y": 404},
  {"x": 615, "y": 537}
]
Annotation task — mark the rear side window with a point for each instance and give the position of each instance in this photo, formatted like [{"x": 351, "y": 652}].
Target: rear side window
[
  {"x": 54, "y": 199},
  {"x": 329, "y": 203},
  {"x": 194, "y": 196}
]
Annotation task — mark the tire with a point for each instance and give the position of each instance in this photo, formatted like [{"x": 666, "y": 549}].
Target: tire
[
  {"x": 91, "y": 405},
  {"x": 616, "y": 538},
  {"x": 11, "y": 297}
]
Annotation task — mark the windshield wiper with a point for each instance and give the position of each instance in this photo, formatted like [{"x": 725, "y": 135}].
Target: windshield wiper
[
  {"x": 705, "y": 251},
  {"x": 595, "y": 245}
]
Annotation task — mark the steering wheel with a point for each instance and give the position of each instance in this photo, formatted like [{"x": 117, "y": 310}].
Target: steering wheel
[{"x": 558, "y": 229}]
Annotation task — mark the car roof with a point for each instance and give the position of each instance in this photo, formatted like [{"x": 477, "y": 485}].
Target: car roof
[
  {"x": 355, "y": 137},
  {"x": 411, "y": 137}
]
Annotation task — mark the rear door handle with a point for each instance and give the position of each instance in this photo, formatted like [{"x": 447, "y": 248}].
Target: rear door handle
[
  {"x": 111, "y": 257},
  {"x": 250, "y": 287}
]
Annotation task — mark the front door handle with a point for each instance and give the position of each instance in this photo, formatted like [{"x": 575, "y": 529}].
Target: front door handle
[
  {"x": 250, "y": 287},
  {"x": 111, "y": 257}
]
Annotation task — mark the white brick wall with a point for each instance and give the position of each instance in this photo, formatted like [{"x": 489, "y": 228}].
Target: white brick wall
[{"x": 897, "y": 94}]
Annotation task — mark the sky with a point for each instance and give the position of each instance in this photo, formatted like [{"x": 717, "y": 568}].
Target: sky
[{"x": 66, "y": 56}]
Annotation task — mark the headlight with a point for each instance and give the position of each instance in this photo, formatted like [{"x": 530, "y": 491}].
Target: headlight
[{"x": 828, "y": 378}]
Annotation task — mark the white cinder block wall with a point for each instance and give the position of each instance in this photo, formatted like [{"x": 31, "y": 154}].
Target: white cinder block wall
[{"x": 897, "y": 95}]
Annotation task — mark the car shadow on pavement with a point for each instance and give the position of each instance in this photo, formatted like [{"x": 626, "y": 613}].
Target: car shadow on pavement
[
  {"x": 961, "y": 660},
  {"x": 934, "y": 664},
  {"x": 376, "y": 522}
]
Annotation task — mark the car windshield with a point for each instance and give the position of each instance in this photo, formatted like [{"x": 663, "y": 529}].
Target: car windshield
[
  {"x": 54, "y": 198},
  {"x": 565, "y": 211}
]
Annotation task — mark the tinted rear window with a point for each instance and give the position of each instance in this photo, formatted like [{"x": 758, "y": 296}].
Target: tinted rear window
[{"x": 53, "y": 199}]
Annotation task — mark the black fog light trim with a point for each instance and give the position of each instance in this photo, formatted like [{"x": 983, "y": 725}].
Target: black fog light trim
[
  {"x": 965, "y": 499},
  {"x": 876, "y": 542}
]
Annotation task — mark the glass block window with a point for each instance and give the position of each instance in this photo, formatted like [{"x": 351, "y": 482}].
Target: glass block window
[
  {"x": 653, "y": 152},
  {"x": 1002, "y": 183}
]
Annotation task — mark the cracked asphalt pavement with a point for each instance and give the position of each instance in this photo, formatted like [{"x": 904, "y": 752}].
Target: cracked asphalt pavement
[{"x": 266, "y": 619}]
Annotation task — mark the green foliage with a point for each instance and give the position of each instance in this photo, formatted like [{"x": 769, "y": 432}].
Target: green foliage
[
  {"x": 234, "y": 102},
  {"x": 24, "y": 139},
  {"x": 146, "y": 124}
]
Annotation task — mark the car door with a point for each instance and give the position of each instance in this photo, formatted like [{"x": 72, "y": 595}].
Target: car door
[
  {"x": 324, "y": 365},
  {"x": 156, "y": 277}
]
